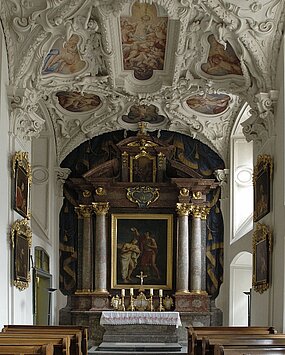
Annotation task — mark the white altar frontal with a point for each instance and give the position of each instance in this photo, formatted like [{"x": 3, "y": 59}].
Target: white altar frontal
[
  {"x": 153, "y": 318},
  {"x": 140, "y": 332}
]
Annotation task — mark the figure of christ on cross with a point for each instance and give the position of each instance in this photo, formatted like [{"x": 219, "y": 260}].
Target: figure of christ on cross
[{"x": 141, "y": 276}]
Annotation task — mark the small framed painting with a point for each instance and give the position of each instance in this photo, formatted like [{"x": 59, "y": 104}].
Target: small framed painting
[
  {"x": 21, "y": 240},
  {"x": 22, "y": 182},
  {"x": 261, "y": 181},
  {"x": 262, "y": 250}
]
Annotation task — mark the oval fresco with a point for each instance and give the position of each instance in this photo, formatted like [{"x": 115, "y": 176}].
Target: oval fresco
[
  {"x": 146, "y": 113},
  {"x": 221, "y": 61},
  {"x": 64, "y": 58},
  {"x": 209, "y": 104},
  {"x": 75, "y": 102},
  {"x": 143, "y": 40}
]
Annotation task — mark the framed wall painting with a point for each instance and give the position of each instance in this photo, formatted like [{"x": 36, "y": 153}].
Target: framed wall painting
[
  {"x": 21, "y": 241},
  {"x": 261, "y": 182},
  {"x": 22, "y": 182},
  {"x": 142, "y": 243},
  {"x": 262, "y": 251}
]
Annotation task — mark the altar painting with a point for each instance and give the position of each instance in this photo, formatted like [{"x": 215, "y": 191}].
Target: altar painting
[{"x": 142, "y": 243}]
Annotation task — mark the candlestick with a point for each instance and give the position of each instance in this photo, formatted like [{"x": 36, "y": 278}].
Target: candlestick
[
  {"x": 160, "y": 292},
  {"x": 151, "y": 291},
  {"x": 131, "y": 291},
  {"x": 123, "y": 292}
]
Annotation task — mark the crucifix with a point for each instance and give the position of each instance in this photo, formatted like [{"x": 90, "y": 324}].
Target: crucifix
[{"x": 141, "y": 276}]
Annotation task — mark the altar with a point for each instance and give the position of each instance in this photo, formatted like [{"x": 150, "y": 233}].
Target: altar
[
  {"x": 140, "y": 332},
  {"x": 145, "y": 327}
]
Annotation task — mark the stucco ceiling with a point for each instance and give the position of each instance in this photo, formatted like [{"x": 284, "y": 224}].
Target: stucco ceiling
[{"x": 85, "y": 67}]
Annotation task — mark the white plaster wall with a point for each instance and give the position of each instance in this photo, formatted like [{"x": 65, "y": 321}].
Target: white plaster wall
[
  {"x": 16, "y": 305},
  {"x": 46, "y": 204},
  {"x": 5, "y": 187}
]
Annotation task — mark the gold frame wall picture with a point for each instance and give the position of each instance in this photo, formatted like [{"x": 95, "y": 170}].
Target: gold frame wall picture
[
  {"x": 22, "y": 175},
  {"x": 142, "y": 243},
  {"x": 21, "y": 241},
  {"x": 262, "y": 251},
  {"x": 262, "y": 186}
]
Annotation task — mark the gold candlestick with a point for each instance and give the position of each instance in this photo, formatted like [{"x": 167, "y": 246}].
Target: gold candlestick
[
  {"x": 131, "y": 306},
  {"x": 161, "y": 308}
]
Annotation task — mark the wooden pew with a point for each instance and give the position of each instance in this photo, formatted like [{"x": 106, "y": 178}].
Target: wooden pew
[
  {"x": 246, "y": 350},
  {"x": 79, "y": 334},
  {"x": 60, "y": 343},
  {"x": 195, "y": 334},
  {"x": 26, "y": 349},
  {"x": 258, "y": 341}
]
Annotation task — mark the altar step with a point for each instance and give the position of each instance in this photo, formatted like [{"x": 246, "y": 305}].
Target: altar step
[{"x": 109, "y": 348}]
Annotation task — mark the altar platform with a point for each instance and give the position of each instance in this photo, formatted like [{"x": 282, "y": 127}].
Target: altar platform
[
  {"x": 138, "y": 349},
  {"x": 139, "y": 333}
]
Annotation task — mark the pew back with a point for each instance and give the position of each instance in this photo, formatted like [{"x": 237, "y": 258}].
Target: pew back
[{"x": 78, "y": 334}]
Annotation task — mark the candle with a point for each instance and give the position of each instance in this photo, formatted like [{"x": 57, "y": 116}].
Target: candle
[
  {"x": 160, "y": 292},
  {"x": 123, "y": 292},
  {"x": 131, "y": 291},
  {"x": 151, "y": 291}
]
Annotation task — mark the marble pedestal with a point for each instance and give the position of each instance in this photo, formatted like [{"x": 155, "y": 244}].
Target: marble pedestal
[{"x": 192, "y": 302}]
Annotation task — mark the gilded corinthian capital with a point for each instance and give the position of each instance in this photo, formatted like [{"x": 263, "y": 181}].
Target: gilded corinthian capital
[
  {"x": 200, "y": 211},
  {"x": 101, "y": 208},
  {"x": 84, "y": 211},
  {"x": 183, "y": 209}
]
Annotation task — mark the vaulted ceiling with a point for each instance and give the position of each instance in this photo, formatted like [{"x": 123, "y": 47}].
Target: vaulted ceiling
[{"x": 87, "y": 67}]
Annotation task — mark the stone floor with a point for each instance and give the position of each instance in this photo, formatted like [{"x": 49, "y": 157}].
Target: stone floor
[{"x": 108, "y": 348}]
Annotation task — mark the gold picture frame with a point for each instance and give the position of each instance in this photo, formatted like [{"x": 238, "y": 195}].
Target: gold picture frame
[
  {"x": 142, "y": 243},
  {"x": 261, "y": 182},
  {"x": 262, "y": 251},
  {"x": 22, "y": 182},
  {"x": 21, "y": 241}
]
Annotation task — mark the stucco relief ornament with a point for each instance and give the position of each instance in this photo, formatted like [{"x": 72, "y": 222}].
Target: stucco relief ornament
[
  {"x": 260, "y": 125},
  {"x": 25, "y": 121}
]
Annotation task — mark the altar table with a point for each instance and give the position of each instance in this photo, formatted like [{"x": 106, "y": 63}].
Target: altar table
[{"x": 153, "y": 318}]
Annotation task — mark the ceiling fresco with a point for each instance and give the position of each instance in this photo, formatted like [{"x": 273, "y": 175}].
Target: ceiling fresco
[
  {"x": 143, "y": 113},
  {"x": 143, "y": 40},
  {"x": 89, "y": 67},
  {"x": 209, "y": 104},
  {"x": 222, "y": 59},
  {"x": 75, "y": 102},
  {"x": 64, "y": 58}
]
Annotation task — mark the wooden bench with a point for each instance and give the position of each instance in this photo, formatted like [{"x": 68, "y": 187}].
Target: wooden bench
[
  {"x": 248, "y": 350},
  {"x": 26, "y": 349},
  {"x": 232, "y": 341},
  {"x": 60, "y": 343},
  {"x": 195, "y": 334},
  {"x": 78, "y": 334}
]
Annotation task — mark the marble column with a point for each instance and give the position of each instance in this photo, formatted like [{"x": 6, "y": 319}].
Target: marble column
[
  {"x": 182, "y": 267},
  {"x": 199, "y": 212},
  {"x": 85, "y": 277},
  {"x": 101, "y": 209}
]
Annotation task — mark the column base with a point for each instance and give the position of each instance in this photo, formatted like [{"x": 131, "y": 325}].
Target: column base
[
  {"x": 101, "y": 291},
  {"x": 182, "y": 292},
  {"x": 192, "y": 302}
]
